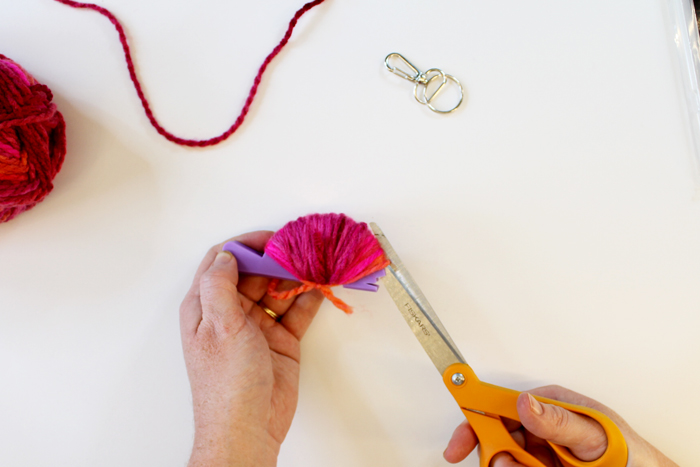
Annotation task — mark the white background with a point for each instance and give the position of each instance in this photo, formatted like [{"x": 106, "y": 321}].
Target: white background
[{"x": 551, "y": 220}]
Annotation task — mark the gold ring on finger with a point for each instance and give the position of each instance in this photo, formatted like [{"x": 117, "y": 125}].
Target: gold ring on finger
[{"x": 270, "y": 313}]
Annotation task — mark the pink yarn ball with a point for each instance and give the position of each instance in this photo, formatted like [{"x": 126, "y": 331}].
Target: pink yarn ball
[{"x": 32, "y": 140}]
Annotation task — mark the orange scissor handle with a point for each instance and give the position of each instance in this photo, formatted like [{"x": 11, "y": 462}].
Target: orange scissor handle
[{"x": 494, "y": 402}]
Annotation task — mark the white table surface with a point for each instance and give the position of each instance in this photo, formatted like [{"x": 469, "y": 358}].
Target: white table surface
[{"x": 551, "y": 220}]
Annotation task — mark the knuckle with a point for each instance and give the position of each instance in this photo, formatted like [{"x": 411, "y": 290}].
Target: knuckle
[
  {"x": 552, "y": 391},
  {"x": 503, "y": 459},
  {"x": 185, "y": 306},
  {"x": 222, "y": 327},
  {"x": 601, "y": 440},
  {"x": 214, "y": 336},
  {"x": 213, "y": 281},
  {"x": 596, "y": 440},
  {"x": 560, "y": 418},
  {"x": 214, "y": 249}
]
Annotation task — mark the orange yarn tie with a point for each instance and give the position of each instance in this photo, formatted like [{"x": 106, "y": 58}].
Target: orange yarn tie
[{"x": 305, "y": 287}]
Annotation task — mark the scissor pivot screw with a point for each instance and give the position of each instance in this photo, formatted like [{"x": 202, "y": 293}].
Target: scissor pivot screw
[{"x": 458, "y": 379}]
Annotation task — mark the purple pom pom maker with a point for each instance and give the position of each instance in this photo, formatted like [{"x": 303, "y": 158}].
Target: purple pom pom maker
[{"x": 254, "y": 263}]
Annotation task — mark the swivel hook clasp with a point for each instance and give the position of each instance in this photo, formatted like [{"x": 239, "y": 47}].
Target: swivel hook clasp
[{"x": 423, "y": 80}]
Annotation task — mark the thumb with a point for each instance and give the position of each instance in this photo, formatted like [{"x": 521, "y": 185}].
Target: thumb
[
  {"x": 584, "y": 437},
  {"x": 218, "y": 292}
]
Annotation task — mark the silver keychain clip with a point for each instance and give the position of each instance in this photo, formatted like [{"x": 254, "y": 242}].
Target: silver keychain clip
[{"x": 422, "y": 80}]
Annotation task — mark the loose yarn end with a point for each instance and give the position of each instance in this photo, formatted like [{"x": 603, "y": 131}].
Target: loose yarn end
[{"x": 142, "y": 96}]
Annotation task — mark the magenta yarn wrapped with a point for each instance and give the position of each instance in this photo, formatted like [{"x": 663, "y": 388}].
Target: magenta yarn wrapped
[{"x": 324, "y": 250}]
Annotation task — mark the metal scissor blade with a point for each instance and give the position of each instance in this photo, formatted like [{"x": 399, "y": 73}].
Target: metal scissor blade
[{"x": 416, "y": 310}]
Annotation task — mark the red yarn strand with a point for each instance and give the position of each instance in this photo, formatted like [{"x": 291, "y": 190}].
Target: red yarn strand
[{"x": 144, "y": 102}]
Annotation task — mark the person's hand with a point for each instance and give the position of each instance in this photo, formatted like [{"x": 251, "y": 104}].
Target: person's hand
[
  {"x": 583, "y": 436},
  {"x": 243, "y": 365}
]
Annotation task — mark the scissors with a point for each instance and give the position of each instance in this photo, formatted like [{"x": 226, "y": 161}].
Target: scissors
[{"x": 485, "y": 405}]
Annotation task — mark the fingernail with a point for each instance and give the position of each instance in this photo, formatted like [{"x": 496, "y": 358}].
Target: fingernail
[
  {"x": 223, "y": 257},
  {"x": 535, "y": 405}
]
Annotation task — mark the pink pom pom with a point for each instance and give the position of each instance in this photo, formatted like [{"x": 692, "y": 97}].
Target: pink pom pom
[{"x": 324, "y": 250}]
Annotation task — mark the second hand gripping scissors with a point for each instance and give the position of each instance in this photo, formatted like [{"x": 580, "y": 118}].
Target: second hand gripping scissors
[{"x": 483, "y": 404}]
